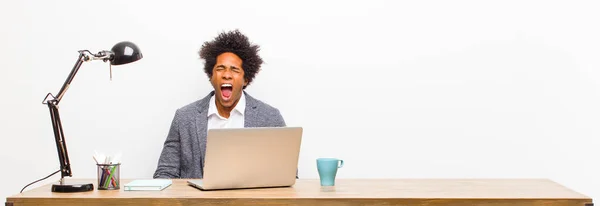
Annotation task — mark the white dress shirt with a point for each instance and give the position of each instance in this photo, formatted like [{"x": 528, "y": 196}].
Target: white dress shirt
[{"x": 236, "y": 117}]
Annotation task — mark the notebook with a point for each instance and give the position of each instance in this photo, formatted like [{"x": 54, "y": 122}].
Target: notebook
[{"x": 148, "y": 185}]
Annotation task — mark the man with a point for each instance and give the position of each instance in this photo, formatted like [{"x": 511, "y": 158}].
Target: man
[{"x": 231, "y": 63}]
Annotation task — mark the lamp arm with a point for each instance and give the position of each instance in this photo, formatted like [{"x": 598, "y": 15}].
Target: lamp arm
[
  {"x": 61, "y": 146},
  {"x": 84, "y": 55}
]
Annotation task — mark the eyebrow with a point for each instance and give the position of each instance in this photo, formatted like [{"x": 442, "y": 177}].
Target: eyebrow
[{"x": 223, "y": 66}]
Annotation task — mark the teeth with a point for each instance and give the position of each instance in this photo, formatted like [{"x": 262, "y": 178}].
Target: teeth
[{"x": 226, "y": 85}]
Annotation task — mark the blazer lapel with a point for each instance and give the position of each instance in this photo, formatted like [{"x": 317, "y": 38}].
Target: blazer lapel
[
  {"x": 201, "y": 125},
  {"x": 251, "y": 113}
]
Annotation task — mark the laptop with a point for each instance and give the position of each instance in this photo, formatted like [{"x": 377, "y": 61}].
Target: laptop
[{"x": 259, "y": 157}]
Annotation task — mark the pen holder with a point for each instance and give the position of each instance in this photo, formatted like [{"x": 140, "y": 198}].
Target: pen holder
[{"x": 109, "y": 177}]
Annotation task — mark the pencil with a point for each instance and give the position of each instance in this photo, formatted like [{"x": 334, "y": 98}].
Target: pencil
[{"x": 110, "y": 175}]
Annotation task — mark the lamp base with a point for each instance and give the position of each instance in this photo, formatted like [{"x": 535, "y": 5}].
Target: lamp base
[{"x": 83, "y": 187}]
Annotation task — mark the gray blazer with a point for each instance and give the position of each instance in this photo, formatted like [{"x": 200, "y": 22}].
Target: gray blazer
[{"x": 183, "y": 151}]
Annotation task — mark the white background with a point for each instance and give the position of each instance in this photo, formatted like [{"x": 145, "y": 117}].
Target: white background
[{"x": 398, "y": 89}]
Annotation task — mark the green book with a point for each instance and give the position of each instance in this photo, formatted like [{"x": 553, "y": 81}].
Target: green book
[{"x": 148, "y": 185}]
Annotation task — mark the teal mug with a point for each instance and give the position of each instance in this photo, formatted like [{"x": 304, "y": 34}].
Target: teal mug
[{"x": 327, "y": 168}]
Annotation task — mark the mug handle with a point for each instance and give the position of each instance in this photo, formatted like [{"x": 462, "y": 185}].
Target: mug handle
[{"x": 341, "y": 163}]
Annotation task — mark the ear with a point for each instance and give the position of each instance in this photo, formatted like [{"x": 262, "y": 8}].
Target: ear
[{"x": 245, "y": 82}]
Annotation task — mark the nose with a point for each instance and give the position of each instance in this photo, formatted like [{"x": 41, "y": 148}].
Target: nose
[{"x": 227, "y": 74}]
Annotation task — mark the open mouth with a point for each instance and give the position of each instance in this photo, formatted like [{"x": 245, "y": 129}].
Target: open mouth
[{"x": 226, "y": 90}]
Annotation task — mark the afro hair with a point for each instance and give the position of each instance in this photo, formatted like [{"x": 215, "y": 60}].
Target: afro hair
[{"x": 237, "y": 43}]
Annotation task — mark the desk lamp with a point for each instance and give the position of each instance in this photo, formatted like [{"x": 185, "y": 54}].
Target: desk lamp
[{"x": 121, "y": 53}]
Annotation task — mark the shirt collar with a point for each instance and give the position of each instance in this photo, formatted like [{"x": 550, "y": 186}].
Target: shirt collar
[{"x": 240, "y": 107}]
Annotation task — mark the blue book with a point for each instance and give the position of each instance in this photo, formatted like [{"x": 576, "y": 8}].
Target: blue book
[{"x": 148, "y": 185}]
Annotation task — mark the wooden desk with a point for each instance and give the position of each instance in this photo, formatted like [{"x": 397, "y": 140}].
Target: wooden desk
[{"x": 429, "y": 192}]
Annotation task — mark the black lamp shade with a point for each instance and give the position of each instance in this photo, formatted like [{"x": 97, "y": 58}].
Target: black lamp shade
[{"x": 125, "y": 52}]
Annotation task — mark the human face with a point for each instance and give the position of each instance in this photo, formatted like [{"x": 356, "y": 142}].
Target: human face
[{"x": 228, "y": 80}]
